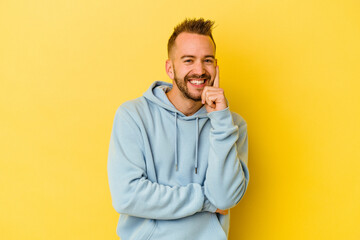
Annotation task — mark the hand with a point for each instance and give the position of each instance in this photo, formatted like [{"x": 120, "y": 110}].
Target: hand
[
  {"x": 213, "y": 96},
  {"x": 222, "y": 212}
]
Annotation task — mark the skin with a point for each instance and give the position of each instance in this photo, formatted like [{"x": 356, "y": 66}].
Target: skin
[{"x": 193, "y": 57}]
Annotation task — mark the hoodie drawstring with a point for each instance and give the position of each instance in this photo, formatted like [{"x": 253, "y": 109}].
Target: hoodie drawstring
[{"x": 196, "y": 144}]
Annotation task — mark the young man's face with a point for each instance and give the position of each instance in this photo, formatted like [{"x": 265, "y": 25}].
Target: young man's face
[{"x": 193, "y": 64}]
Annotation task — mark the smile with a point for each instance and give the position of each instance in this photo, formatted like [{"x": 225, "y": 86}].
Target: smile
[{"x": 197, "y": 82}]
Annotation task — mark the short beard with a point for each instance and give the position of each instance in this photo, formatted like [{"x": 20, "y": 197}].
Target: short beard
[{"x": 182, "y": 85}]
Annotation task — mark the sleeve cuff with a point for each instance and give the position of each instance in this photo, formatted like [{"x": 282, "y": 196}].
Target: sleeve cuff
[
  {"x": 207, "y": 205},
  {"x": 221, "y": 119}
]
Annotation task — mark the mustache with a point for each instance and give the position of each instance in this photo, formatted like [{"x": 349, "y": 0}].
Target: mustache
[{"x": 205, "y": 76}]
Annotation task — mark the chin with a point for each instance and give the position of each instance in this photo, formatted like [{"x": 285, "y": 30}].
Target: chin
[{"x": 196, "y": 98}]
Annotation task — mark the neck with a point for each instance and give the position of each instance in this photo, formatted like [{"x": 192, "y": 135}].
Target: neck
[{"x": 187, "y": 106}]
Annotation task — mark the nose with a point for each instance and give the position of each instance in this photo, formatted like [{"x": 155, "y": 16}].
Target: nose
[{"x": 199, "y": 68}]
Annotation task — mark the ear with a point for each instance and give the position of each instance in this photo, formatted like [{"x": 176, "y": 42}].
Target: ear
[{"x": 169, "y": 69}]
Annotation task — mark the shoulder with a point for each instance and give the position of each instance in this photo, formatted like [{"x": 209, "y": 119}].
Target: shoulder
[
  {"x": 239, "y": 121},
  {"x": 129, "y": 115},
  {"x": 132, "y": 107}
]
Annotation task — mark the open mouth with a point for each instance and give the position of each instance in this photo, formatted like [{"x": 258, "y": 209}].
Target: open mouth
[{"x": 198, "y": 82}]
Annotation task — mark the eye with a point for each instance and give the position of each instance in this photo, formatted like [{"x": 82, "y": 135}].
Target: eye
[
  {"x": 209, "y": 60},
  {"x": 188, "y": 61}
]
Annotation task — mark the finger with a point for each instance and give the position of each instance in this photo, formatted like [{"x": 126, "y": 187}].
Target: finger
[
  {"x": 215, "y": 96},
  {"x": 210, "y": 101},
  {"x": 217, "y": 80},
  {"x": 207, "y": 90},
  {"x": 222, "y": 212},
  {"x": 203, "y": 95}
]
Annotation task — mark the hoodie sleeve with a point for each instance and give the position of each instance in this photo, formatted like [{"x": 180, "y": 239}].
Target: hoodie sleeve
[
  {"x": 227, "y": 175},
  {"x": 132, "y": 192}
]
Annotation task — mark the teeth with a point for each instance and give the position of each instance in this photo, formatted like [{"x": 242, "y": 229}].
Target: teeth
[{"x": 197, "y": 82}]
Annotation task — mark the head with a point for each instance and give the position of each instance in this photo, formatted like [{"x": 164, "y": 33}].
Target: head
[{"x": 191, "y": 57}]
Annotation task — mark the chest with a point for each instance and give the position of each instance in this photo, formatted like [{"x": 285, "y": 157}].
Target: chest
[{"x": 174, "y": 150}]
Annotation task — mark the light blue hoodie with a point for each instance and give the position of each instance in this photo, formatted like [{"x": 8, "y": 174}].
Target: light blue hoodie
[{"x": 168, "y": 173}]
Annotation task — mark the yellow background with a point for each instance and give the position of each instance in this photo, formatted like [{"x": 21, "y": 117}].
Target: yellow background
[{"x": 290, "y": 68}]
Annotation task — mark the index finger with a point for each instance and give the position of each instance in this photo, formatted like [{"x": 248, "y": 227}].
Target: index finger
[{"x": 216, "y": 80}]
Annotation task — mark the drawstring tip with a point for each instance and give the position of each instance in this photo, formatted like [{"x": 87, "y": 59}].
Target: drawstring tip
[{"x": 195, "y": 170}]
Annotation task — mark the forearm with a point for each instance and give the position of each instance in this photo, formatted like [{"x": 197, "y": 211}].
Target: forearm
[
  {"x": 227, "y": 174},
  {"x": 146, "y": 199}
]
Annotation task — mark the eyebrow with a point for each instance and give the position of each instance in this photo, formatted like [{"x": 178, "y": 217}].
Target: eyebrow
[{"x": 191, "y": 56}]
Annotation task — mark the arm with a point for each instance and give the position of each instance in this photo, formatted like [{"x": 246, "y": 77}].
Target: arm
[
  {"x": 227, "y": 175},
  {"x": 132, "y": 193}
]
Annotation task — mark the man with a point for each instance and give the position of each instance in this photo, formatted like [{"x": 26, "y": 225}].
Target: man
[{"x": 178, "y": 156}]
